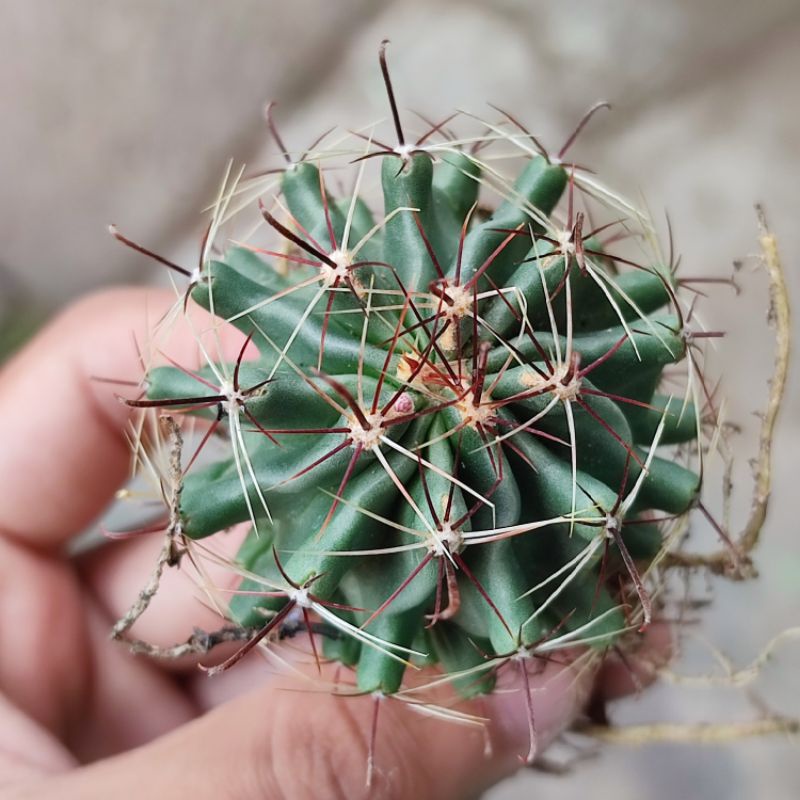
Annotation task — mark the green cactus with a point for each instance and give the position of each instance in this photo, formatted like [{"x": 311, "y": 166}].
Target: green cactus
[{"x": 448, "y": 447}]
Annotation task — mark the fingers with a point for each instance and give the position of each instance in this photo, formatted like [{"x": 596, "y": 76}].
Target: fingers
[
  {"x": 64, "y": 451},
  {"x": 62, "y": 674},
  {"x": 128, "y": 702},
  {"x": 117, "y": 573},
  {"x": 630, "y": 670},
  {"x": 281, "y": 743},
  {"x": 27, "y": 749}
]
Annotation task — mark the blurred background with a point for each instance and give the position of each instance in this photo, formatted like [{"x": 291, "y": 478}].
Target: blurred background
[{"x": 129, "y": 112}]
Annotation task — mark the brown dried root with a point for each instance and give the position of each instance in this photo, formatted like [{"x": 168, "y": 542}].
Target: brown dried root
[
  {"x": 199, "y": 643},
  {"x": 732, "y": 677},
  {"x": 700, "y": 733},
  {"x": 719, "y": 562},
  {"x": 173, "y": 548},
  {"x": 709, "y": 732}
]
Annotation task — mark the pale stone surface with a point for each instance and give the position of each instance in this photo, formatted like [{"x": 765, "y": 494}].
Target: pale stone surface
[
  {"x": 125, "y": 113},
  {"x": 128, "y": 113}
]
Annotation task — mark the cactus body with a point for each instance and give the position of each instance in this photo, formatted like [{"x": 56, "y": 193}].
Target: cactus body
[{"x": 446, "y": 449}]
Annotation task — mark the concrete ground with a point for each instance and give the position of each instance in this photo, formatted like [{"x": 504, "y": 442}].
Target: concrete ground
[{"x": 127, "y": 113}]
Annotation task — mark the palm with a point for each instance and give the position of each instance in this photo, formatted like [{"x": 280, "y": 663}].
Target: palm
[{"x": 71, "y": 684}]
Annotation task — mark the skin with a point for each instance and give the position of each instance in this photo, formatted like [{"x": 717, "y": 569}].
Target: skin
[{"x": 81, "y": 718}]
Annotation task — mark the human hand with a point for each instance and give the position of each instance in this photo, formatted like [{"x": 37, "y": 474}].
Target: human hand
[{"x": 82, "y": 718}]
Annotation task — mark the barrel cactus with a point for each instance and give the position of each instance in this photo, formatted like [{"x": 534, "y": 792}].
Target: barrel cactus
[{"x": 469, "y": 426}]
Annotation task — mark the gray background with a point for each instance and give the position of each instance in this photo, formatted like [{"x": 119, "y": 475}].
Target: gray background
[{"x": 127, "y": 113}]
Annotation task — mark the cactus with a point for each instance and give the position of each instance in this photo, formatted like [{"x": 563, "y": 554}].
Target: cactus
[{"x": 455, "y": 447}]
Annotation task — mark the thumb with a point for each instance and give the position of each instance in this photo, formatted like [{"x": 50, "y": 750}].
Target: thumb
[{"x": 285, "y": 743}]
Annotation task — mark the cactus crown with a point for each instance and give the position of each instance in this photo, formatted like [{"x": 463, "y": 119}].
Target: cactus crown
[{"x": 450, "y": 446}]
